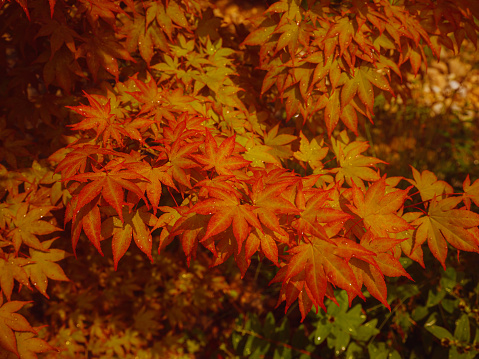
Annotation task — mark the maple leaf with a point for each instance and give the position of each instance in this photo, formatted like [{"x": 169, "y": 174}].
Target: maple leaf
[
  {"x": 176, "y": 14},
  {"x": 371, "y": 272},
  {"x": 166, "y": 222},
  {"x": 353, "y": 167},
  {"x": 156, "y": 176},
  {"x": 372, "y": 278},
  {"x": 28, "y": 225},
  {"x": 190, "y": 227},
  {"x": 227, "y": 210},
  {"x": 345, "y": 28},
  {"x": 293, "y": 289},
  {"x": 102, "y": 49},
  {"x": 28, "y": 345},
  {"x": 110, "y": 184},
  {"x": 291, "y": 33},
  {"x": 61, "y": 69},
  {"x": 100, "y": 118},
  {"x": 11, "y": 267},
  {"x": 144, "y": 35},
  {"x": 262, "y": 33},
  {"x": 471, "y": 192},
  {"x": 9, "y": 182},
  {"x": 59, "y": 34},
  {"x": 311, "y": 152},
  {"x": 319, "y": 262},
  {"x": 10, "y": 322},
  {"x": 132, "y": 224},
  {"x": 314, "y": 210},
  {"x": 157, "y": 10},
  {"x": 132, "y": 127},
  {"x": 44, "y": 266},
  {"x": 279, "y": 143},
  {"x": 220, "y": 157},
  {"x": 408, "y": 242},
  {"x": 266, "y": 240},
  {"x": 180, "y": 159},
  {"x": 259, "y": 154},
  {"x": 148, "y": 95},
  {"x": 445, "y": 224},
  {"x": 269, "y": 201},
  {"x": 362, "y": 83},
  {"x": 428, "y": 185},
  {"x": 225, "y": 247},
  {"x": 86, "y": 218},
  {"x": 106, "y": 10},
  {"x": 11, "y": 147},
  {"x": 379, "y": 210},
  {"x": 79, "y": 160}
]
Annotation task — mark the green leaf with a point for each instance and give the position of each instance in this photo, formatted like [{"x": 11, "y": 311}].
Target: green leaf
[
  {"x": 463, "y": 330},
  {"x": 378, "y": 351},
  {"x": 450, "y": 305},
  {"x": 439, "y": 332},
  {"x": 449, "y": 279},
  {"x": 350, "y": 321},
  {"x": 283, "y": 353},
  {"x": 338, "y": 340},
  {"x": 420, "y": 312},
  {"x": 434, "y": 298},
  {"x": 322, "y": 331},
  {"x": 269, "y": 326},
  {"x": 367, "y": 330},
  {"x": 354, "y": 351}
]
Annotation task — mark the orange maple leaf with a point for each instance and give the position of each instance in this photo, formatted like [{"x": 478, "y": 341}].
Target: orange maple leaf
[
  {"x": 100, "y": 118},
  {"x": 227, "y": 210},
  {"x": 110, "y": 183},
  {"x": 315, "y": 263},
  {"x": 220, "y": 157},
  {"x": 28, "y": 224},
  {"x": 12, "y": 267},
  {"x": 379, "y": 210},
  {"x": 371, "y": 271},
  {"x": 44, "y": 266},
  {"x": 445, "y": 224},
  {"x": 353, "y": 166},
  {"x": 10, "y": 322},
  {"x": 132, "y": 224},
  {"x": 269, "y": 202},
  {"x": 428, "y": 185}
]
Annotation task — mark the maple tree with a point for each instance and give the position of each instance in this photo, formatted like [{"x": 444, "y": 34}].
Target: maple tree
[{"x": 145, "y": 121}]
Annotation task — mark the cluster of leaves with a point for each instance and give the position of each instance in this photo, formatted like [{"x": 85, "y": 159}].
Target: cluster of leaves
[
  {"x": 174, "y": 138},
  {"x": 335, "y": 58},
  {"x": 439, "y": 319},
  {"x": 140, "y": 310}
]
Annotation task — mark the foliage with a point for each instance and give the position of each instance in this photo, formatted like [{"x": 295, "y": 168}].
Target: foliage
[
  {"x": 440, "y": 320},
  {"x": 150, "y": 122}
]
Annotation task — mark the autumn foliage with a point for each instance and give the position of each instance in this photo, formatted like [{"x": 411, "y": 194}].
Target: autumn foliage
[{"x": 149, "y": 121}]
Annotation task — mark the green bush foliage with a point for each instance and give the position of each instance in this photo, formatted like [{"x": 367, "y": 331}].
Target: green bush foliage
[{"x": 221, "y": 148}]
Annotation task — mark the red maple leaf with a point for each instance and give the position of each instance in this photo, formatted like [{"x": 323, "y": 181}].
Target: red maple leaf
[
  {"x": 269, "y": 202},
  {"x": 180, "y": 159},
  {"x": 220, "y": 157},
  {"x": 312, "y": 264},
  {"x": 227, "y": 210},
  {"x": 100, "y": 118},
  {"x": 110, "y": 184},
  {"x": 378, "y": 209}
]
